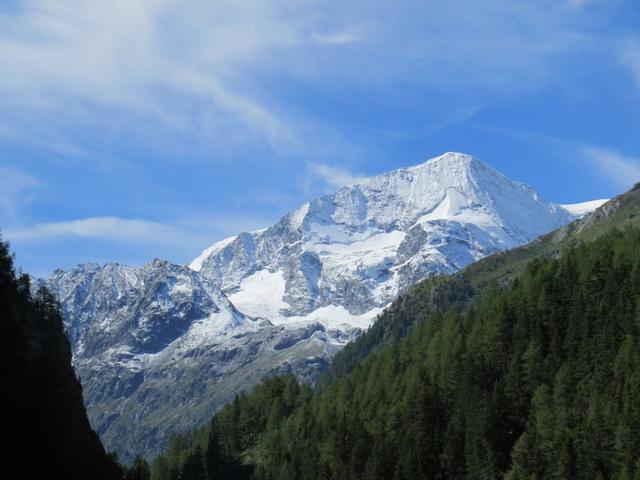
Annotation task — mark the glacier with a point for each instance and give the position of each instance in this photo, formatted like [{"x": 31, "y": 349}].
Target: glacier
[{"x": 356, "y": 249}]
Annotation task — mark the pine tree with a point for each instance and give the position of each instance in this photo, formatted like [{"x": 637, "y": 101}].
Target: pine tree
[{"x": 139, "y": 470}]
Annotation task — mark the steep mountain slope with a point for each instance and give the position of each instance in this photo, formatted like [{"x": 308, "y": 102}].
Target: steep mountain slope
[
  {"x": 469, "y": 285},
  {"x": 341, "y": 258},
  {"x": 160, "y": 347},
  {"x": 147, "y": 344},
  {"x": 45, "y": 430},
  {"x": 539, "y": 379}
]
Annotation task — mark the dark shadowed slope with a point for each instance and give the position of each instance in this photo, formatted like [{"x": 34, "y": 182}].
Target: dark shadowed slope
[{"x": 45, "y": 432}]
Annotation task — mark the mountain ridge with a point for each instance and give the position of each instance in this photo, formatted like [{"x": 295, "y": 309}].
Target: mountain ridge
[
  {"x": 466, "y": 287},
  {"x": 522, "y": 365},
  {"x": 162, "y": 346},
  {"x": 378, "y": 237}
]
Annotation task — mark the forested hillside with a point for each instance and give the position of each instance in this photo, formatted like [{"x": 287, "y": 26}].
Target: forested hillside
[
  {"x": 45, "y": 431},
  {"x": 540, "y": 379},
  {"x": 469, "y": 286}
]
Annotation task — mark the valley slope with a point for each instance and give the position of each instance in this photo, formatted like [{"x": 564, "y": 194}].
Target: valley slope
[
  {"x": 523, "y": 365},
  {"x": 159, "y": 348}
]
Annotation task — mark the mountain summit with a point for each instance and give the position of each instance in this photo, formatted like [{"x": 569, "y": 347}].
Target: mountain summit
[
  {"x": 160, "y": 347},
  {"x": 340, "y": 258}
]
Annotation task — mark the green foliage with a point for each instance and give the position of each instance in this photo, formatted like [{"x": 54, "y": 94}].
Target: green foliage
[
  {"x": 139, "y": 470},
  {"x": 474, "y": 283},
  {"x": 224, "y": 449},
  {"x": 538, "y": 380},
  {"x": 436, "y": 294}
]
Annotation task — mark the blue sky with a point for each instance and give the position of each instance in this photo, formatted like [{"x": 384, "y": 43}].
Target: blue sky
[{"x": 134, "y": 130}]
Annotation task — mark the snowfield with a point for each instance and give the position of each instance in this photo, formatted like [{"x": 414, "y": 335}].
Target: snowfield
[{"x": 158, "y": 348}]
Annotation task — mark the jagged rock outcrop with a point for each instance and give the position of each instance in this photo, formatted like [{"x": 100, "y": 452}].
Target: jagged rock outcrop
[{"x": 159, "y": 348}]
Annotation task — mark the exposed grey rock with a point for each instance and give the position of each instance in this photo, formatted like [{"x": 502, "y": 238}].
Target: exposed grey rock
[{"x": 161, "y": 347}]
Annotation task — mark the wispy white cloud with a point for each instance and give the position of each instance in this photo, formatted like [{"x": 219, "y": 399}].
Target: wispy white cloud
[
  {"x": 579, "y": 3},
  {"x": 621, "y": 169},
  {"x": 132, "y": 241},
  {"x": 331, "y": 176},
  {"x": 217, "y": 225},
  {"x": 195, "y": 231},
  {"x": 197, "y": 68},
  {"x": 153, "y": 60},
  {"x": 105, "y": 228},
  {"x": 630, "y": 58},
  {"x": 15, "y": 186},
  {"x": 337, "y": 38}
]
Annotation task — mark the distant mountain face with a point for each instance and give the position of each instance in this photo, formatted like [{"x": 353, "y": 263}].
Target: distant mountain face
[
  {"x": 341, "y": 258},
  {"x": 159, "y": 348},
  {"x": 116, "y": 309}
]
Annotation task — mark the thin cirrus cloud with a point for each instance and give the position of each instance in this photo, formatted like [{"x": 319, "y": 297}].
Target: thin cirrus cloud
[
  {"x": 76, "y": 57},
  {"x": 105, "y": 228},
  {"x": 339, "y": 38},
  {"x": 199, "y": 66},
  {"x": 133, "y": 89},
  {"x": 333, "y": 177},
  {"x": 630, "y": 58},
  {"x": 623, "y": 170},
  {"x": 15, "y": 186},
  {"x": 187, "y": 232}
]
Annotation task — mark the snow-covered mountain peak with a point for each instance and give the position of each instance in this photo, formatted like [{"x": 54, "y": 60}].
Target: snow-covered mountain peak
[
  {"x": 441, "y": 188},
  {"x": 153, "y": 340},
  {"x": 451, "y": 162},
  {"x": 401, "y": 195},
  {"x": 454, "y": 168},
  {"x": 357, "y": 248}
]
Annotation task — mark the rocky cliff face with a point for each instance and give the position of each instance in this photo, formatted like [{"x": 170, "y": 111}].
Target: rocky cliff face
[
  {"x": 356, "y": 249},
  {"x": 159, "y": 348}
]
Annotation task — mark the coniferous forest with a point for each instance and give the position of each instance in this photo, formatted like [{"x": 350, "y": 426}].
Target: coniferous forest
[
  {"x": 541, "y": 379},
  {"x": 536, "y": 377},
  {"x": 45, "y": 431},
  {"x": 320, "y": 240}
]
